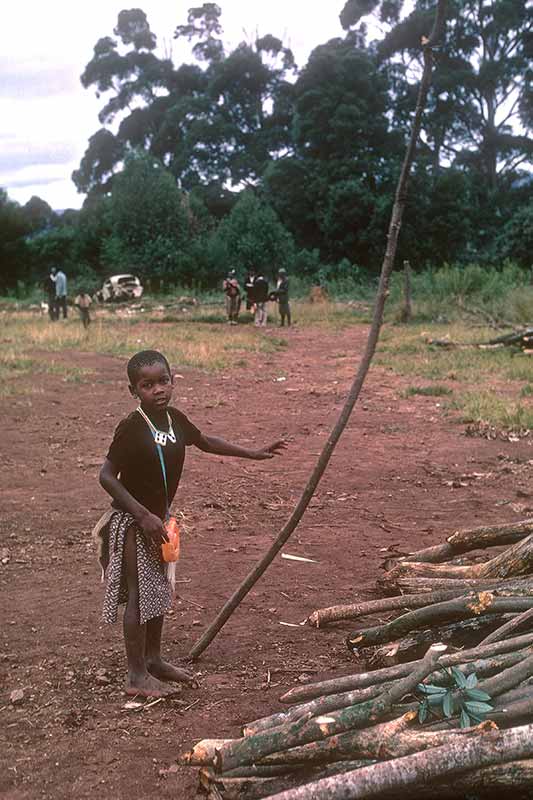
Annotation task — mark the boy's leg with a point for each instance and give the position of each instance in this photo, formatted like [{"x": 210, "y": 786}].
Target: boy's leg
[
  {"x": 139, "y": 679},
  {"x": 155, "y": 664}
]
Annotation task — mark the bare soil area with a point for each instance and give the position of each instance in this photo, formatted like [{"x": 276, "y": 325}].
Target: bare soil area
[{"x": 403, "y": 476}]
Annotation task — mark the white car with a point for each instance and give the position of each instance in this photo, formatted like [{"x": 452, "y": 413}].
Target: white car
[{"x": 120, "y": 287}]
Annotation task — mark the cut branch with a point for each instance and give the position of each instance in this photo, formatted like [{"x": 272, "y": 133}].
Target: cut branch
[
  {"x": 361, "y": 680},
  {"x": 377, "y": 319},
  {"x": 474, "y": 605},
  {"x": 324, "y": 616},
  {"x": 464, "y": 541},
  {"x": 412, "y": 585},
  {"x": 515, "y": 560},
  {"x": 508, "y": 627},
  {"x": 252, "y": 749},
  {"x": 487, "y": 749}
]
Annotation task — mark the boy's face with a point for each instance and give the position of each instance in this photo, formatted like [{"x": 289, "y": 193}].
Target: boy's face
[{"x": 153, "y": 387}]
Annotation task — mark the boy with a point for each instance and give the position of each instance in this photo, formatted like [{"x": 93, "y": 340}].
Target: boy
[
  {"x": 232, "y": 290},
  {"x": 82, "y": 303},
  {"x": 141, "y": 473},
  {"x": 282, "y": 296},
  {"x": 261, "y": 300},
  {"x": 250, "y": 293}
]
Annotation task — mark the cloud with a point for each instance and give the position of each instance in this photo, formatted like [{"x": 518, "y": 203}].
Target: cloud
[
  {"x": 24, "y": 183},
  {"x": 31, "y": 78},
  {"x": 16, "y": 154},
  {"x": 47, "y": 117}
]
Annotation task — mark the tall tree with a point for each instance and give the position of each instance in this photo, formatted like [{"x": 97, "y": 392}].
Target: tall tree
[
  {"x": 14, "y": 227},
  {"x": 126, "y": 70},
  {"x": 478, "y": 114},
  {"x": 252, "y": 236},
  {"x": 214, "y": 124},
  {"x": 38, "y": 213},
  {"x": 344, "y": 153},
  {"x": 149, "y": 218}
]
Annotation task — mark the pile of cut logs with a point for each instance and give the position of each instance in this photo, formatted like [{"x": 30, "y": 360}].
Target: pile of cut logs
[{"x": 408, "y": 723}]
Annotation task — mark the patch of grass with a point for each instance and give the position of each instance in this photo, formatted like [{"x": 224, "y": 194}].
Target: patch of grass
[
  {"x": 14, "y": 366},
  {"x": 68, "y": 373},
  {"x": 437, "y": 390},
  {"x": 520, "y": 368},
  {"x": 199, "y": 339},
  {"x": 406, "y": 351},
  {"x": 491, "y": 408}
]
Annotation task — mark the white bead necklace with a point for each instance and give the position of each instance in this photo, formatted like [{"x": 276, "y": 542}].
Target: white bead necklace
[{"x": 160, "y": 437}]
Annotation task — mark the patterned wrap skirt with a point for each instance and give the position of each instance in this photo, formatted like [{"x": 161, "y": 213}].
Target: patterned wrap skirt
[{"x": 155, "y": 592}]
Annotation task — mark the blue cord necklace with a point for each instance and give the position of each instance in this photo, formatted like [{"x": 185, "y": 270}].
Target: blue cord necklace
[{"x": 160, "y": 438}]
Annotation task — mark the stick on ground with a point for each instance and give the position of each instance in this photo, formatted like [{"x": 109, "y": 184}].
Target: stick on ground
[{"x": 366, "y": 360}]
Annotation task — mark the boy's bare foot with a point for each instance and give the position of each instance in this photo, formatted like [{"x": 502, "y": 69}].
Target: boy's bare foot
[
  {"x": 148, "y": 686},
  {"x": 168, "y": 672}
]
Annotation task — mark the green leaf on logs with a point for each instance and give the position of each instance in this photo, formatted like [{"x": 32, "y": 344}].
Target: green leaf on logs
[
  {"x": 428, "y": 688},
  {"x": 447, "y": 705},
  {"x": 464, "y": 720},
  {"x": 459, "y": 678},
  {"x": 478, "y": 694},
  {"x": 423, "y": 712},
  {"x": 471, "y": 681},
  {"x": 474, "y": 707},
  {"x": 435, "y": 699}
]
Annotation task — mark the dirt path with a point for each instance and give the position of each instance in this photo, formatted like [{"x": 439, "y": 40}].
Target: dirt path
[{"x": 403, "y": 475}]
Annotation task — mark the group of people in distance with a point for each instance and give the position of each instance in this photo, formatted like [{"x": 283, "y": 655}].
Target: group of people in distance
[
  {"x": 55, "y": 287},
  {"x": 257, "y": 297}
]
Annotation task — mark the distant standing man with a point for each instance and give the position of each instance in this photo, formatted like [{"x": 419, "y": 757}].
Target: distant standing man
[
  {"x": 250, "y": 292},
  {"x": 261, "y": 300},
  {"x": 50, "y": 291},
  {"x": 282, "y": 296},
  {"x": 232, "y": 290},
  {"x": 61, "y": 293}
]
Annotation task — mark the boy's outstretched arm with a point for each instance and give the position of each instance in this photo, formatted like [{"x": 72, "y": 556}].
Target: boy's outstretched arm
[{"x": 220, "y": 447}]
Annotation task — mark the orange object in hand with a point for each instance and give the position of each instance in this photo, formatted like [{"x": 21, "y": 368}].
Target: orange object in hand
[{"x": 171, "y": 549}]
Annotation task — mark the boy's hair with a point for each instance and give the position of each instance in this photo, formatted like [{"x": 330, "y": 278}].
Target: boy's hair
[{"x": 146, "y": 358}]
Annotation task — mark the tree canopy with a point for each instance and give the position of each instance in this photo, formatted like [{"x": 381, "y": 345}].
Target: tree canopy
[{"x": 197, "y": 164}]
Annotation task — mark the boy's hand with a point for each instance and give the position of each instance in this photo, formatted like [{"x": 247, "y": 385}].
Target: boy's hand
[
  {"x": 153, "y": 528},
  {"x": 271, "y": 450}
]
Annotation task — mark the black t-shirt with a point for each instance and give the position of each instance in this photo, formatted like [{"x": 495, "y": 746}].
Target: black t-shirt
[
  {"x": 261, "y": 289},
  {"x": 134, "y": 452}
]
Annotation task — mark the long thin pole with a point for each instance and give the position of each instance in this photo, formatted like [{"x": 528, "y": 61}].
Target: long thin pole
[{"x": 392, "y": 241}]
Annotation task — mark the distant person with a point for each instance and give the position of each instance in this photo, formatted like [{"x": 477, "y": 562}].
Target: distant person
[
  {"x": 50, "y": 292},
  {"x": 61, "y": 294},
  {"x": 83, "y": 302},
  {"x": 282, "y": 296},
  {"x": 261, "y": 300},
  {"x": 250, "y": 291},
  {"x": 232, "y": 290}
]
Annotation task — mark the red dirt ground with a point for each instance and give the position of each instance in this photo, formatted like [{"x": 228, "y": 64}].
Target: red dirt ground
[{"x": 403, "y": 475}]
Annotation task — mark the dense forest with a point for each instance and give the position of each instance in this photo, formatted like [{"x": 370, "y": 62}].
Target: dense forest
[{"x": 245, "y": 158}]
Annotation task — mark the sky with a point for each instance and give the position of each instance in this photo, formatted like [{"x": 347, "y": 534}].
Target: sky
[{"x": 47, "y": 116}]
